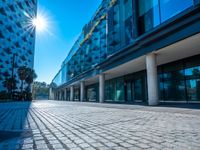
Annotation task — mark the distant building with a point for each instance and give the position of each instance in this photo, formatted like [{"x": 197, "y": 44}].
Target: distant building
[
  {"x": 17, "y": 37},
  {"x": 135, "y": 51}
]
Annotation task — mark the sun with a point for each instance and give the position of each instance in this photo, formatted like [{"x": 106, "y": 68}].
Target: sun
[{"x": 40, "y": 23}]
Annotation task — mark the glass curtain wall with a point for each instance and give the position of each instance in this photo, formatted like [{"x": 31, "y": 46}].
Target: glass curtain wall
[
  {"x": 57, "y": 81},
  {"x": 114, "y": 36},
  {"x": 103, "y": 39},
  {"x": 174, "y": 85},
  {"x": 114, "y": 90},
  {"x": 128, "y": 21},
  {"x": 192, "y": 76},
  {"x": 136, "y": 87},
  {"x": 76, "y": 94},
  {"x": 64, "y": 73},
  {"x": 148, "y": 15},
  {"x": 170, "y": 8},
  {"x": 153, "y": 12},
  {"x": 68, "y": 95},
  {"x": 92, "y": 93},
  {"x": 180, "y": 81}
]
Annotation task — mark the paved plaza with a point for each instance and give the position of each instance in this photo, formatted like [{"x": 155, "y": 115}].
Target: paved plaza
[{"x": 42, "y": 125}]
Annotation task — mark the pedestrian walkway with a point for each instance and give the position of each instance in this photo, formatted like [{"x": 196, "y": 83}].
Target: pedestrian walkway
[{"x": 58, "y": 125}]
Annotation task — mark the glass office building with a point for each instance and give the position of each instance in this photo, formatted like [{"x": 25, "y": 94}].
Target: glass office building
[
  {"x": 17, "y": 37},
  {"x": 135, "y": 51}
]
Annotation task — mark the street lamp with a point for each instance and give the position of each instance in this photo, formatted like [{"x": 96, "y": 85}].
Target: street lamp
[{"x": 13, "y": 69}]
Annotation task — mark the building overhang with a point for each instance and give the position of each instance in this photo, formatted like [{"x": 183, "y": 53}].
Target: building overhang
[{"x": 176, "y": 39}]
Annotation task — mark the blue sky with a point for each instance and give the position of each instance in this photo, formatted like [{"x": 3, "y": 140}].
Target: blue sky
[{"x": 66, "y": 19}]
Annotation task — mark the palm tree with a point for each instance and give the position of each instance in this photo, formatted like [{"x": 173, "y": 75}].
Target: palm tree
[
  {"x": 22, "y": 73},
  {"x": 10, "y": 83},
  {"x": 31, "y": 75}
]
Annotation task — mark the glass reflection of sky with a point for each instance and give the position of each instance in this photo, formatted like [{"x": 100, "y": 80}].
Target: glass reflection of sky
[{"x": 190, "y": 71}]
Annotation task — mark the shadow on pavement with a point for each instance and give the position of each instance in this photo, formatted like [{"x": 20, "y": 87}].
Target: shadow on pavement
[
  {"x": 181, "y": 105},
  {"x": 14, "y": 124}
]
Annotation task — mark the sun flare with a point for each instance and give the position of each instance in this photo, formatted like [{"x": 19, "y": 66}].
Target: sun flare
[{"x": 40, "y": 23}]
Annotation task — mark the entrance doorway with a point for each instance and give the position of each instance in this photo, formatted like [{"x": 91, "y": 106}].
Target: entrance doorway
[{"x": 135, "y": 90}]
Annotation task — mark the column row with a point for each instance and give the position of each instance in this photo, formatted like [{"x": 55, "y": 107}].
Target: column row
[{"x": 152, "y": 84}]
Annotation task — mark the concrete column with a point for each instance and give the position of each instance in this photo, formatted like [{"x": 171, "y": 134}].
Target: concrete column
[
  {"x": 72, "y": 93},
  {"x": 58, "y": 95},
  {"x": 51, "y": 94},
  {"x": 65, "y": 94},
  {"x": 82, "y": 91},
  {"x": 152, "y": 80},
  {"x": 101, "y": 87},
  {"x": 62, "y": 95}
]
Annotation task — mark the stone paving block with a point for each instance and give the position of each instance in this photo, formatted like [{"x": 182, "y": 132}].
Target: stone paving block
[
  {"x": 84, "y": 145},
  {"x": 65, "y": 125}
]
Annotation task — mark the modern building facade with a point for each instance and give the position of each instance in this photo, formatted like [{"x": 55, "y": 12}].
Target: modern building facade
[
  {"x": 135, "y": 51},
  {"x": 17, "y": 37}
]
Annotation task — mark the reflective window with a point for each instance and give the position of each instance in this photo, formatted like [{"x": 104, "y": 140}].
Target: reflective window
[
  {"x": 170, "y": 8},
  {"x": 178, "y": 83},
  {"x": 114, "y": 29},
  {"x": 193, "y": 89},
  {"x": 129, "y": 92},
  {"x": 174, "y": 75},
  {"x": 138, "y": 93},
  {"x": 114, "y": 90},
  {"x": 128, "y": 21},
  {"x": 193, "y": 83},
  {"x": 148, "y": 15},
  {"x": 175, "y": 90},
  {"x": 161, "y": 86},
  {"x": 128, "y": 9},
  {"x": 119, "y": 89},
  {"x": 57, "y": 81},
  {"x": 76, "y": 94},
  {"x": 193, "y": 72},
  {"x": 153, "y": 12},
  {"x": 92, "y": 93}
]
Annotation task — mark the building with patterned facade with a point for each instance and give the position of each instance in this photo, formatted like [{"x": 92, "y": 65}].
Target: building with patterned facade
[
  {"x": 135, "y": 51},
  {"x": 17, "y": 37}
]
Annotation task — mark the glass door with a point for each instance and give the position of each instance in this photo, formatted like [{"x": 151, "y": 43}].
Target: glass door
[
  {"x": 128, "y": 91},
  {"x": 138, "y": 90}
]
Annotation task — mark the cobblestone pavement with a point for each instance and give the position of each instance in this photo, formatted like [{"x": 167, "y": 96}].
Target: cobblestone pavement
[{"x": 57, "y": 125}]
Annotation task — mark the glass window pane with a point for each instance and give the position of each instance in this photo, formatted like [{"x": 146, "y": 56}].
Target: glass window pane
[
  {"x": 120, "y": 89},
  {"x": 138, "y": 89},
  {"x": 128, "y": 21},
  {"x": 92, "y": 93},
  {"x": 107, "y": 91},
  {"x": 174, "y": 90},
  {"x": 129, "y": 92},
  {"x": 129, "y": 30},
  {"x": 193, "y": 72},
  {"x": 161, "y": 88},
  {"x": 128, "y": 9},
  {"x": 170, "y": 8},
  {"x": 193, "y": 90},
  {"x": 148, "y": 15},
  {"x": 112, "y": 90}
]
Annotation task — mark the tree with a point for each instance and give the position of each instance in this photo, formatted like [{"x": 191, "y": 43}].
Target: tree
[
  {"x": 28, "y": 75},
  {"x": 10, "y": 83},
  {"x": 31, "y": 75},
  {"x": 40, "y": 90},
  {"x": 22, "y": 73}
]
